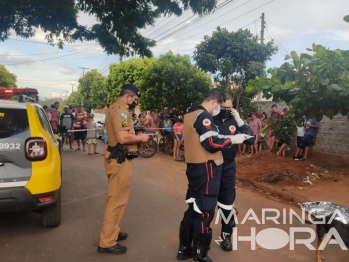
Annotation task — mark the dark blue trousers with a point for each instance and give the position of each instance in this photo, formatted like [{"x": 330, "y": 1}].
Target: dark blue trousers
[
  {"x": 203, "y": 188},
  {"x": 226, "y": 197}
]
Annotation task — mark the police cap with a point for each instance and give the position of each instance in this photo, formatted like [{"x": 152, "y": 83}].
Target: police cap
[{"x": 132, "y": 88}]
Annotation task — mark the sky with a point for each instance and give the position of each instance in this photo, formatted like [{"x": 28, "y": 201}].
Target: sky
[{"x": 294, "y": 25}]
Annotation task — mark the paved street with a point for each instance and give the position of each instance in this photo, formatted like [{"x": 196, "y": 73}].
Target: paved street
[{"x": 152, "y": 219}]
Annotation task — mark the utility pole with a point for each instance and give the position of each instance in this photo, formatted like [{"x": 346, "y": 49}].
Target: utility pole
[
  {"x": 259, "y": 96},
  {"x": 262, "y": 28},
  {"x": 72, "y": 87},
  {"x": 66, "y": 94},
  {"x": 83, "y": 70}
]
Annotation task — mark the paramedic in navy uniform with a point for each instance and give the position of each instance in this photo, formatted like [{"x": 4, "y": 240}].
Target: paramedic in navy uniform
[
  {"x": 228, "y": 122},
  {"x": 203, "y": 146}
]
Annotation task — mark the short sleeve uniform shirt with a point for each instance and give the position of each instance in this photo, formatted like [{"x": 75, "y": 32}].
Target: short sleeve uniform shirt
[{"x": 119, "y": 119}]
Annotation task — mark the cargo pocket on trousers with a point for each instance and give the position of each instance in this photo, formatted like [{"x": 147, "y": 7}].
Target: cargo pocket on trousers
[{"x": 112, "y": 167}]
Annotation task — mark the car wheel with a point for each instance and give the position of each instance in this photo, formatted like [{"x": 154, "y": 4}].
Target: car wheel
[{"x": 51, "y": 216}]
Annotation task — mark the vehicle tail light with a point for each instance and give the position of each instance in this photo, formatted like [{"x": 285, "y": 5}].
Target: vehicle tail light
[
  {"x": 45, "y": 199},
  {"x": 35, "y": 149}
]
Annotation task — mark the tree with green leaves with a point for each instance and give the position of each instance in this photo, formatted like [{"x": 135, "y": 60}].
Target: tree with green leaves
[
  {"x": 313, "y": 85},
  {"x": 73, "y": 99},
  {"x": 7, "y": 79},
  {"x": 48, "y": 101},
  {"x": 233, "y": 58},
  {"x": 116, "y": 24},
  {"x": 92, "y": 90},
  {"x": 173, "y": 81},
  {"x": 346, "y": 18},
  {"x": 126, "y": 72}
]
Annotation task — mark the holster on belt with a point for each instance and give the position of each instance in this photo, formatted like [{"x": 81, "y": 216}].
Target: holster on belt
[{"x": 120, "y": 153}]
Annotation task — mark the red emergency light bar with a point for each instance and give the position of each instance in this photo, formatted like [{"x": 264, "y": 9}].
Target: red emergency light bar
[
  {"x": 19, "y": 91},
  {"x": 20, "y": 94}
]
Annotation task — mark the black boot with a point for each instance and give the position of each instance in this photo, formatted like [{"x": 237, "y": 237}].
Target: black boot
[
  {"x": 201, "y": 243},
  {"x": 185, "y": 249},
  {"x": 227, "y": 230}
]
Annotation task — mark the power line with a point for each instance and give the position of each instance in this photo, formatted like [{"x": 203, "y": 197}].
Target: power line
[
  {"x": 41, "y": 53},
  {"x": 228, "y": 2},
  {"x": 58, "y": 81},
  {"x": 221, "y": 24},
  {"x": 102, "y": 71},
  {"x": 45, "y": 84},
  {"x": 268, "y": 29},
  {"x": 164, "y": 26},
  {"x": 186, "y": 19},
  {"x": 178, "y": 51},
  {"x": 62, "y": 63},
  {"x": 36, "y": 42},
  {"x": 52, "y": 58},
  {"x": 255, "y": 25},
  {"x": 154, "y": 27}
]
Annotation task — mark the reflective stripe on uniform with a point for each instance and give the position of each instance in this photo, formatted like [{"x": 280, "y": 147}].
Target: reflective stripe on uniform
[
  {"x": 226, "y": 207},
  {"x": 196, "y": 208},
  {"x": 208, "y": 134},
  {"x": 13, "y": 184}
]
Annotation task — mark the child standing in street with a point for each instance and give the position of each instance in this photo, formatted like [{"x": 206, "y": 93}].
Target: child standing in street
[{"x": 92, "y": 133}]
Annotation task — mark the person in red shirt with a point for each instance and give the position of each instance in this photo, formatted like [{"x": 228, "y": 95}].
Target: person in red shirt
[
  {"x": 54, "y": 118},
  {"x": 79, "y": 124}
]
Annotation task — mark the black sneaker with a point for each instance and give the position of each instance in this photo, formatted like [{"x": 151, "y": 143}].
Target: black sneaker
[
  {"x": 122, "y": 236},
  {"x": 117, "y": 249}
]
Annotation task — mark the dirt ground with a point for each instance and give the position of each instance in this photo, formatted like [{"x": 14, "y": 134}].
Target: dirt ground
[{"x": 283, "y": 172}]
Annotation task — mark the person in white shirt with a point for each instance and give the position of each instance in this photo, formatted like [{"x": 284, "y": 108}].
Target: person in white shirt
[{"x": 300, "y": 134}]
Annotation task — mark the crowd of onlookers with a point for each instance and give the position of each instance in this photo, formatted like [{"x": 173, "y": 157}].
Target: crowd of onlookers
[
  {"x": 167, "y": 123},
  {"x": 82, "y": 130},
  {"x": 74, "y": 125},
  {"x": 262, "y": 128}
]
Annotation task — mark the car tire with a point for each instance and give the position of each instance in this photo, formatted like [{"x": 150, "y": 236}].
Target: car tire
[{"x": 51, "y": 216}]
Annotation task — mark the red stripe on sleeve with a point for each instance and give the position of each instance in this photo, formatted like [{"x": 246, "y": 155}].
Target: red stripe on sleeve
[{"x": 226, "y": 142}]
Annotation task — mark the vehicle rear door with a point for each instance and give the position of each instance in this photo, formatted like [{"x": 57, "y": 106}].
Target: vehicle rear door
[{"x": 15, "y": 169}]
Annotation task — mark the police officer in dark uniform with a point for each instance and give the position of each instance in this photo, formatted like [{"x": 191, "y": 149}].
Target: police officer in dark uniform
[
  {"x": 203, "y": 146},
  {"x": 122, "y": 147},
  {"x": 228, "y": 122}
]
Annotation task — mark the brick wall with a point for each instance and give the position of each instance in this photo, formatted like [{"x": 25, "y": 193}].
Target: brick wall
[{"x": 333, "y": 135}]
